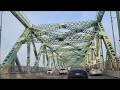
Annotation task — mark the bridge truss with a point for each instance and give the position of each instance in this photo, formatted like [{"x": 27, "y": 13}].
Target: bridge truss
[{"x": 79, "y": 46}]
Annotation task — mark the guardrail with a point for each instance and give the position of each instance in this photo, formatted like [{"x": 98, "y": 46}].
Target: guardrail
[{"x": 25, "y": 69}]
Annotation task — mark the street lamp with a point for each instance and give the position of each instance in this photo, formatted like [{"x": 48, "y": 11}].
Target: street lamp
[{"x": 0, "y": 38}]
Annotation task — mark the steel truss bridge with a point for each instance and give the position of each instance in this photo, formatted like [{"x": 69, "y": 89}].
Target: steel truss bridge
[{"x": 80, "y": 46}]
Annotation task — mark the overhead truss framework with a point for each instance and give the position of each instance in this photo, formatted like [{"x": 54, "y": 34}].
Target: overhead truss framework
[{"x": 82, "y": 43}]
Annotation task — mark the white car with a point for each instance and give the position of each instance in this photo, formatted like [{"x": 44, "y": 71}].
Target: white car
[
  {"x": 95, "y": 72},
  {"x": 69, "y": 68},
  {"x": 49, "y": 71},
  {"x": 62, "y": 71}
]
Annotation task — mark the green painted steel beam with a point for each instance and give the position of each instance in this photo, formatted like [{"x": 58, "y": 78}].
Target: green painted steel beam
[
  {"x": 46, "y": 53},
  {"x": 67, "y": 25},
  {"x": 36, "y": 64},
  {"x": 101, "y": 55},
  {"x": 28, "y": 49},
  {"x": 21, "y": 18},
  {"x": 13, "y": 53},
  {"x": 53, "y": 59},
  {"x": 107, "y": 42},
  {"x": 35, "y": 51},
  {"x": 109, "y": 47},
  {"x": 43, "y": 60},
  {"x": 18, "y": 64},
  {"x": 100, "y": 15},
  {"x": 28, "y": 53}
]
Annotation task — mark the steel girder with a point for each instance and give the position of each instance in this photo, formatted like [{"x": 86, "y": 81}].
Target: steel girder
[
  {"x": 45, "y": 45},
  {"x": 12, "y": 55},
  {"x": 21, "y": 18},
  {"x": 63, "y": 50},
  {"x": 73, "y": 40},
  {"x": 86, "y": 25},
  {"x": 108, "y": 45},
  {"x": 62, "y": 38},
  {"x": 73, "y": 54},
  {"x": 100, "y": 15},
  {"x": 67, "y": 25},
  {"x": 53, "y": 33}
]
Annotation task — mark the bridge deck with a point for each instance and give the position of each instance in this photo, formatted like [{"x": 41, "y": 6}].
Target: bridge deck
[{"x": 46, "y": 76}]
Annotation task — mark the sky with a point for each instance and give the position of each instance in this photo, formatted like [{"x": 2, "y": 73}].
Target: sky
[{"x": 12, "y": 28}]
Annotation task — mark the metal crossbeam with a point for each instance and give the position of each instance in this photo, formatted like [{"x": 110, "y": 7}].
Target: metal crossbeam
[
  {"x": 80, "y": 28},
  {"x": 66, "y": 25}
]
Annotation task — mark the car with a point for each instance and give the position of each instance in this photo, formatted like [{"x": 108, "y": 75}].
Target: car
[
  {"x": 68, "y": 68},
  {"x": 49, "y": 71},
  {"x": 77, "y": 73},
  {"x": 94, "y": 71},
  {"x": 62, "y": 71}
]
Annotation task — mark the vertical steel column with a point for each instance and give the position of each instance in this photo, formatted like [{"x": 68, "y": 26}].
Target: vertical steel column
[
  {"x": 58, "y": 62},
  {"x": 12, "y": 69},
  {"x": 97, "y": 50},
  {"x": 36, "y": 56},
  {"x": 53, "y": 60},
  {"x": 88, "y": 60},
  {"x": 35, "y": 51},
  {"x": 28, "y": 56},
  {"x": 106, "y": 62},
  {"x": 63, "y": 65},
  {"x": 43, "y": 60},
  {"x": 46, "y": 56},
  {"x": 101, "y": 56},
  {"x": 91, "y": 57},
  {"x": 18, "y": 64}
]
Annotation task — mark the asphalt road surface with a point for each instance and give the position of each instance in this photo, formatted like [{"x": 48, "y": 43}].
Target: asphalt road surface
[
  {"x": 102, "y": 77},
  {"x": 51, "y": 76},
  {"x": 57, "y": 76}
]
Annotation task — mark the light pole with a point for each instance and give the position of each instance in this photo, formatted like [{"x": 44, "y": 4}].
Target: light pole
[
  {"x": 118, "y": 20},
  {"x": 0, "y": 38}
]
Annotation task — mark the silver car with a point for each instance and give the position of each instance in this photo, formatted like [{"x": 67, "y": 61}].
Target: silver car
[{"x": 95, "y": 72}]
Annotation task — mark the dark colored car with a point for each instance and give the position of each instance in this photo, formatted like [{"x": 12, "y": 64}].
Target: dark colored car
[{"x": 77, "y": 73}]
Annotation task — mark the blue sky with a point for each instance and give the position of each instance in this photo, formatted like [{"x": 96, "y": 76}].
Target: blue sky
[{"x": 12, "y": 28}]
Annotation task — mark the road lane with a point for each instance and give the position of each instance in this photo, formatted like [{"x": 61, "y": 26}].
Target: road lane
[{"x": 57, "y": 76}]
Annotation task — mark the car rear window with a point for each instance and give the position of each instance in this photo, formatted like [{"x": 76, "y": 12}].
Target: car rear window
[
  {"x": 49, "y": 70},
  {"x": 62, "y": 69}
]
